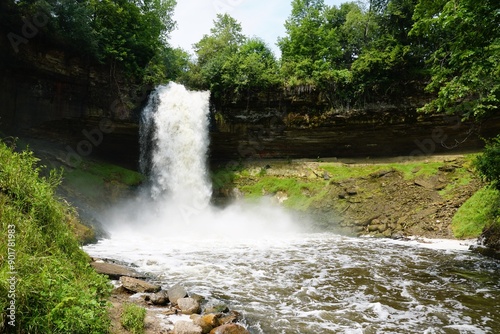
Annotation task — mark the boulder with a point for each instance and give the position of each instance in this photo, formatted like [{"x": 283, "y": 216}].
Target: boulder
[
  {"x": 159, "y": 298},
  {"x": 229, "y": 329},
  {"x": 137, "y": 285},
  {"x": 114, "y": 271},
  {"x": 207, "y": 322},
  {"x": 230, "y": 318},
  {"x": 186, "y": 327},
  {"x": 188, "y": 305},
  {"x": 175, "y": 292},
  {"x": 215, "y": 307}
]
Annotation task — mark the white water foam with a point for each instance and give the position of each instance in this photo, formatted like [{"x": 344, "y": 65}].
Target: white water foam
[
  {"x": 251, "y": 256},
  {"x": 174, "y": 143}
]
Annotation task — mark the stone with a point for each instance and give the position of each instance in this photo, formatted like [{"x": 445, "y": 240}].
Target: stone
[
  {"x": 381, "y": 173},
  {"x": 424, "y": 183},
  {"x": 229, "y": 329},
  {"x": 175, "y": 292},
  {"x": 187, "y": 327},
  {"x": 137, "y": 285},
  {"x": 207, "y": 322},
  {"x": 230, "y": 318},
  {"x": 159, "y": 298},
  {"x": 114, "y": 271},
  {"x": 216, "y": 308},
  {"x": 351, "y": 191},
  {"x": 447, "y": 168},
  {"x": 188, "y": 305}
]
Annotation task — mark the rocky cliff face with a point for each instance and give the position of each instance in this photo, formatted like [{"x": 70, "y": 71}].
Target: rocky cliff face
[{"x": 50, "y": 92}]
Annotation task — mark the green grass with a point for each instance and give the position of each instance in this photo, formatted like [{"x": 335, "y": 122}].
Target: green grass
[
  {"x": 132, "y": 318},
  {"x": 410, "y": 170},
  {"x": 301, "y": 193},
  {"x": 98, "y": 173},
  {"x": 57, "y": 291},
  {"x": 481, "y": 210}
]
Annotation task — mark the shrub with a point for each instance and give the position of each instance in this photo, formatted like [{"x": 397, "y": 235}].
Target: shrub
[
  {"x": 132, "y": 318},
  {"x": 57, "y": 291},
  {"x": 488, "y": 163}
]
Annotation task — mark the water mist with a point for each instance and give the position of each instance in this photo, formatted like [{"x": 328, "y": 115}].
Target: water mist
[
  {"x": 247, "y": 256},
  {"x": 176, "y": 200}
]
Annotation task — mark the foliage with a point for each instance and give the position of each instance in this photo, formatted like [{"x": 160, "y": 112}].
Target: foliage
[
  {"x": 230, "y": 65},
  {"x": 129, "y": 33},
  {"x": 301, "y": 193},
  {"x": 57, "y": 291},
  {"x": 478, "y": 212},
  {"x": 488, "y": 163},
  {"x": 132, "y": 318},
  {"x": 464, "y": 58}
]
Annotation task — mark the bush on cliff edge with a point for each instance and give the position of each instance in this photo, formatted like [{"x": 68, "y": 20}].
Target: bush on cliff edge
[{"x": 55, "y": 289}]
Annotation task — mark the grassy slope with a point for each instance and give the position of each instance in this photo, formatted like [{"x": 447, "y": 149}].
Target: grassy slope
[
  {"x": 56, "y": 290},
  {"x": 480, "y": 211},
  {"x": 305, "y": 191}
]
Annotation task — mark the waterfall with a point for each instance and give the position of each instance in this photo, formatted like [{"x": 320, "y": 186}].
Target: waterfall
[
  {"x": 174, "y": 143},
  {"x": 176, "y": 200}
]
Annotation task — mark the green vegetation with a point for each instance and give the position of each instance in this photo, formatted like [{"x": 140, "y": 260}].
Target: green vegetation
[
  {"x": 100, "y": 181},
  {"x": 300, "y": 193},
  {"x": 410, "y": 170},
  {"x": 480, "y": 211},
  {"x": 337, "y": 57},
  {"x": 56, "y": 290},
  {"x": 130, "y": 35},
  {"x": 488, "y": 163},
  {"x": 132, "y": 318},
  {"x": 464, "y": 46}
]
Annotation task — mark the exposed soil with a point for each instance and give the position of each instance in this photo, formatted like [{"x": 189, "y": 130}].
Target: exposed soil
[{"x": 385, "y": 202}]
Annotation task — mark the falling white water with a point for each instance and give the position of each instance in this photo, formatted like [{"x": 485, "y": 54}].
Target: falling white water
[
  {"x": 301, "y": 283},
  {"x": 176, "y": 120},
  {"x": 174, "y": 143}
]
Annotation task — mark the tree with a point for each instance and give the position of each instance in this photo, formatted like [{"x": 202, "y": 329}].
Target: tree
[
  {"x": 391, "y": 66},
  {"x": 465, "y": 62},
  {"x": 488, "y": 163},
  {"x": 251, "y": 70}
]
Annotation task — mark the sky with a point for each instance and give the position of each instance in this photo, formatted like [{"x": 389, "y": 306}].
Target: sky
[{"x": 258, "y": 18}]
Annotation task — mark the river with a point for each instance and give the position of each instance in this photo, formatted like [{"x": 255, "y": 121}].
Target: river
[{"x": 326, "y": 283}]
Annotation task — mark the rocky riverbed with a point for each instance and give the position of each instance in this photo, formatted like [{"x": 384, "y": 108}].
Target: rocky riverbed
[{"x": 172, "y": 310}]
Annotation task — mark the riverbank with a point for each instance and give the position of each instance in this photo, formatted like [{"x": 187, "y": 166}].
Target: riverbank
[{"x": 393, "y": 197}]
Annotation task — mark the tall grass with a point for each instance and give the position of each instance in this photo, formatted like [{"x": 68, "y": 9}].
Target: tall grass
[
  {"x": 481, "y": 210},
  {"x": 57, "y": 291}
]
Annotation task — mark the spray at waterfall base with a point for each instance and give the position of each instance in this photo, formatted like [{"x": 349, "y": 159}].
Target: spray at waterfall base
[{"x": 174, "y": 143}]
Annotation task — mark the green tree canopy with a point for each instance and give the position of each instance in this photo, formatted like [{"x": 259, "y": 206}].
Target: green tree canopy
[{"x": 465, "y": 62}]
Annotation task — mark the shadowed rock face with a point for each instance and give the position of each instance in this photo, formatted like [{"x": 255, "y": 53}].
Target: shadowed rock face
[{"x": 51, "y": 93}]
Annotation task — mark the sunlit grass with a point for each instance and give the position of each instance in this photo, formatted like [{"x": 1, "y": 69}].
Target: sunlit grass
[
  {"x": 482, "y": 209},
  {"x": 300, "y": 193},
  {"x": 57, "y": 291}
]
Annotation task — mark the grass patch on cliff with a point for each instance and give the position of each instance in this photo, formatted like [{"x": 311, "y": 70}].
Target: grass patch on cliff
[
  {"x": 300, "y": 192},
  {"x": 56, "y": 290},
  {"x": 97, "y": 179},
  {"x": 482, "y": 209},
  {"x": 410, "y": 170}
]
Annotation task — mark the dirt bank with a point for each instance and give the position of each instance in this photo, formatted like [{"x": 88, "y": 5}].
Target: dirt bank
[{"x": 393, "y": 197}]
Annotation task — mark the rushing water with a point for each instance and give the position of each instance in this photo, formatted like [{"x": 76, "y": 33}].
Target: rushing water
[
  {"x": 325, "y": 283},
  {"x": 256, "y": 258}
]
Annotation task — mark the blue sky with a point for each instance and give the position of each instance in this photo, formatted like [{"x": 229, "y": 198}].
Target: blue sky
[{"x": 261, "y": 18}]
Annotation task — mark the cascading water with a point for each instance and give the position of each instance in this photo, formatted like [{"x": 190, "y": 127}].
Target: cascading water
[
  {"x": 253, "y": 258},
  {"x": 174, "y": 134}
]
